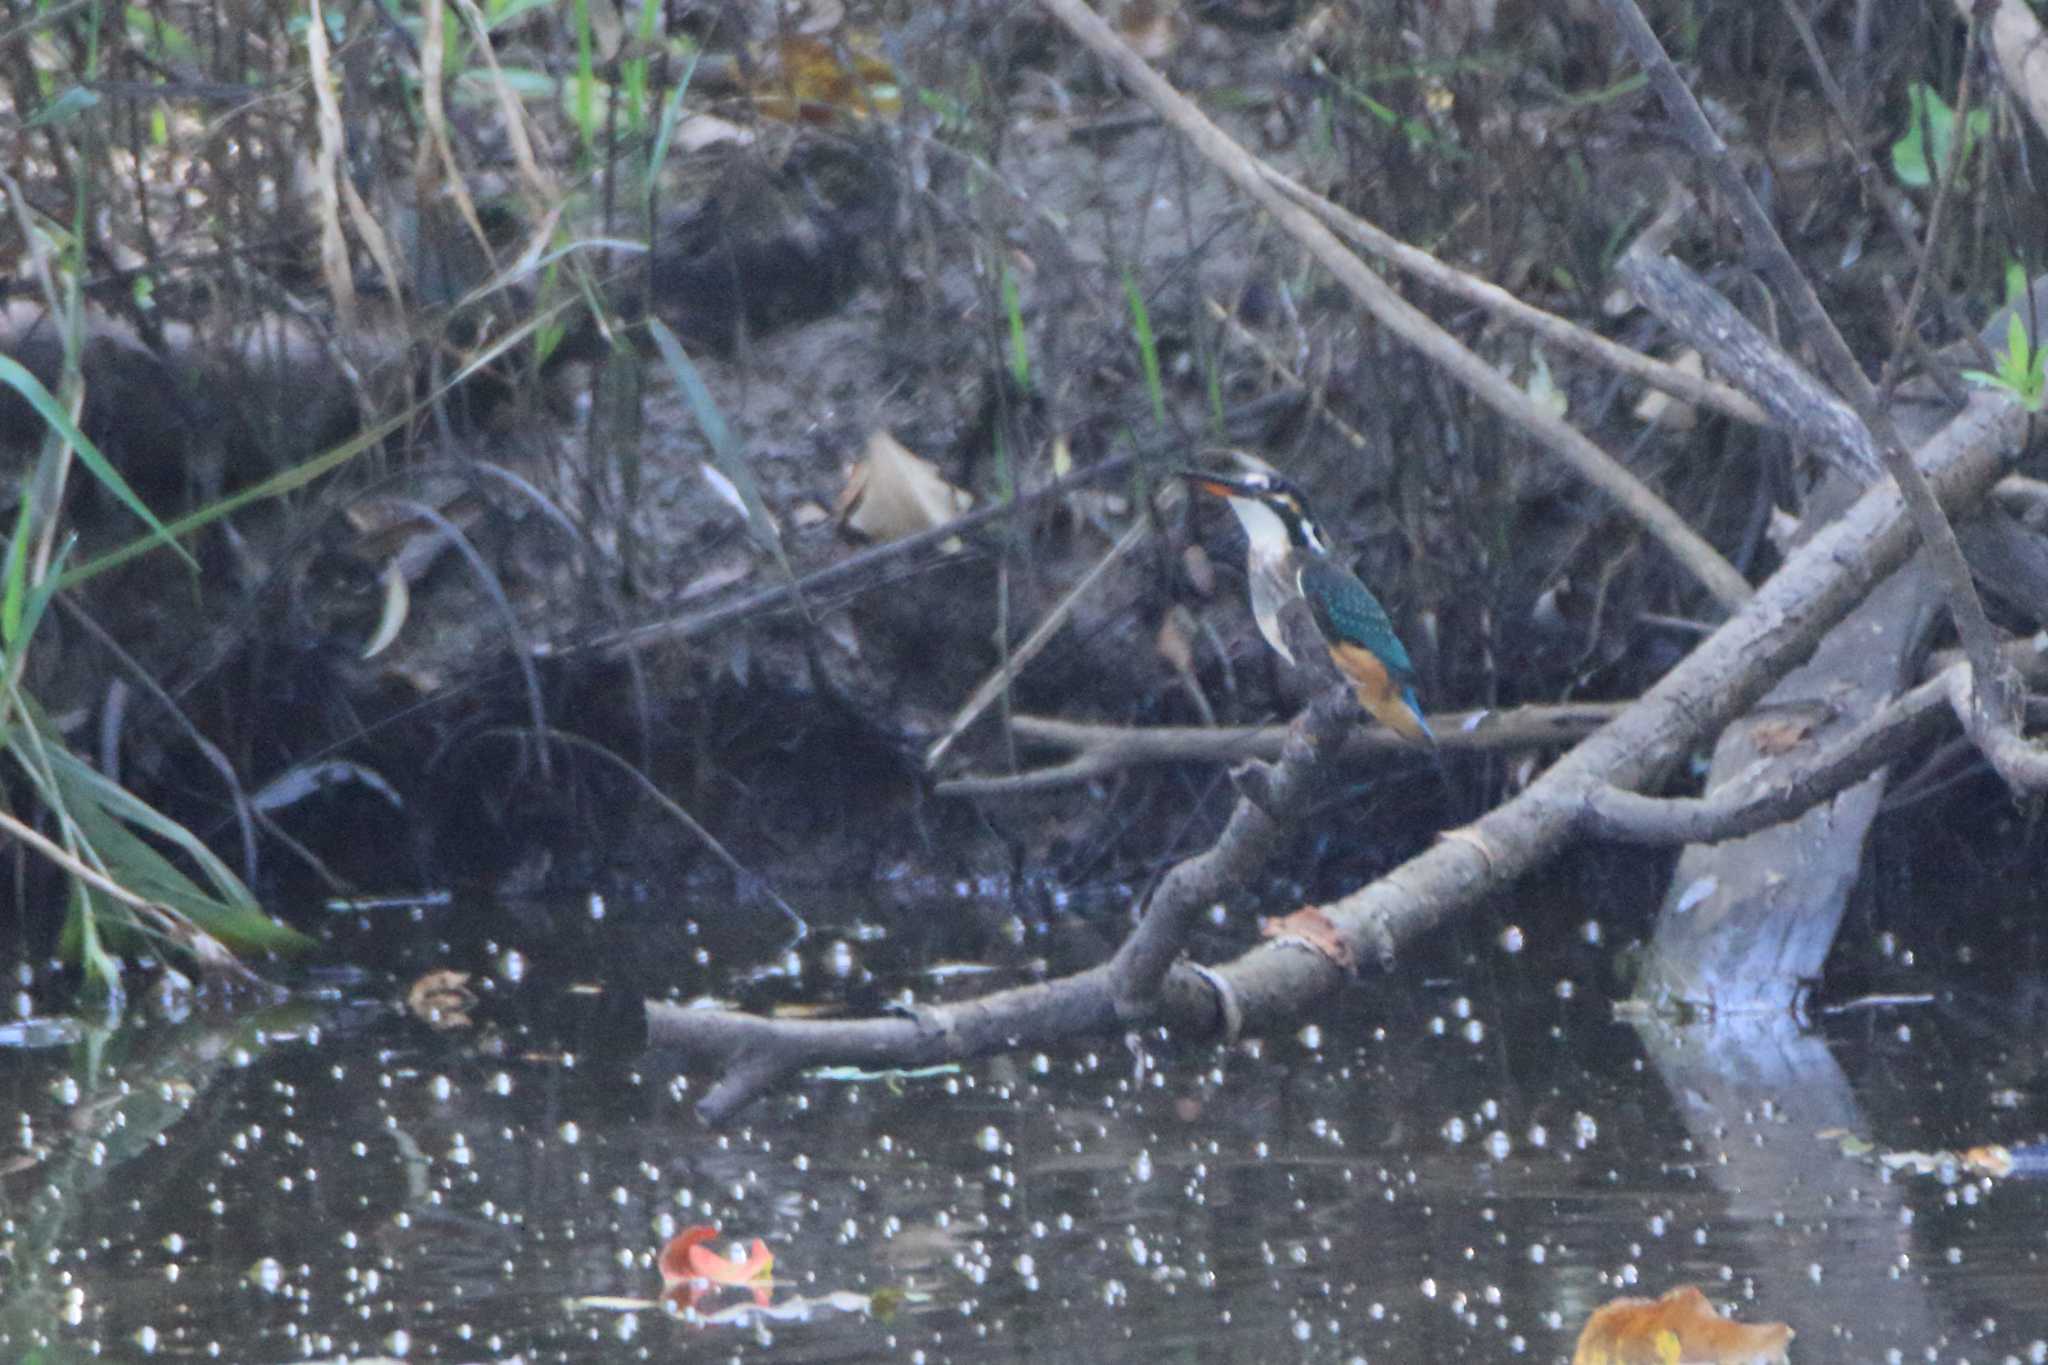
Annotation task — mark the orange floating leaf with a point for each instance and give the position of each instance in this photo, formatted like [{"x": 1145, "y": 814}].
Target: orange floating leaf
[
  {"x": 1681, "y": 1328},
  {"x": 675, "y": 1257},
  {"x": 708, "y": 1264}
]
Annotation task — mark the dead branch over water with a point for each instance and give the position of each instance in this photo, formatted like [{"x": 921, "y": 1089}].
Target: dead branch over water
[{"x": 1599, "y": 789}]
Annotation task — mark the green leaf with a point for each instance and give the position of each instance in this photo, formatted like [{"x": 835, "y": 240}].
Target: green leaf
[
  {"x": 18, "y": 378},
  {"x": 1020, "y": 345},
  {"x": 108, "y": 817},
  {"x": 1931, "y": 121},
  {"x": 1148, "y": 346},
  {"x": 728, "y": 456},
  {"x": 15, "y": 584},
  {"x": 66, "y": 107}
]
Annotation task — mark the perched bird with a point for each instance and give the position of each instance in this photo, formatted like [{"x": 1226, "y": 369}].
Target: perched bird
[{"x": 1287, "y": 558}]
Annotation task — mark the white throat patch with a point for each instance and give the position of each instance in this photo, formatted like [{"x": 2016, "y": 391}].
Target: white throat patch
[{"x": 1262, "y": 527}]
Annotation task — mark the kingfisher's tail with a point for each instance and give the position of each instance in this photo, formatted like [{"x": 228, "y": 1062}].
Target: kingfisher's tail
[{"x": 1414, "y": 705}]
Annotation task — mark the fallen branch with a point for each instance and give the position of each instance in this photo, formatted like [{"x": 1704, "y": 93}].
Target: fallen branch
[
  {"x": 2022, "y": 763},
  {"x": 1814, "y": 324},
  {"x": 1719, "y": 680},
  {"x": 1134, "y": 984},
  {"x": 1811, "y": 416},
  {"x": 1758, "y": 799}
]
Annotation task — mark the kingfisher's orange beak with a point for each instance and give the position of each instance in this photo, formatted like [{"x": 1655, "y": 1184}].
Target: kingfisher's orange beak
[{"x": 1215, "y": 485}]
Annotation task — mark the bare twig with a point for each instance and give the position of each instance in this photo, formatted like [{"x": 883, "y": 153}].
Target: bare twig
[
  {"x": 1593, "y": 464},
  {"x": 1957, "y": 154},
  {"x": 1667, "y": 378},
  {"x": 1102, "y": 749},
  {"x": 1041, "y": 635},
  {"x": 2022, "y": 764}
]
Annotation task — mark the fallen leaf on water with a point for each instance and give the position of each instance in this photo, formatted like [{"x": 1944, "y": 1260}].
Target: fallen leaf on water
[
  {"x": 675, "y": 1256},
  {"x": 1681, "y": 1328},
  {"x": 689, "y": 1268},
  {"x": 708, "y": 1264},
  {"x": 1993, "y": 1160},
  {"x": 1310, "y": 926},
  {"x": 443, "y": 999},
  {"x": 892, "y": 493}
]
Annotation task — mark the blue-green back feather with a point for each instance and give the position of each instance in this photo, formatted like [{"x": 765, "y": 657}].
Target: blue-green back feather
[{"x": 1345, "y": 610}]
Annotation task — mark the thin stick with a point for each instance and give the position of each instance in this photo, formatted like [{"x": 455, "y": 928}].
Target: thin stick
[
  {"x": 1658, "y": 374},
  {"x": 1041, "y": 635}
]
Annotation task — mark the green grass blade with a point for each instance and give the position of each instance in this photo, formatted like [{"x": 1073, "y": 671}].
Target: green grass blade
[{"x": 18, "y": 378}]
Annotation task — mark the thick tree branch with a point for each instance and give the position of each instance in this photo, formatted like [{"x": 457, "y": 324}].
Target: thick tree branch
[
  {"x": 1809, "y": 414},
  {"x": 1717, "y": 682},
  {"x": 1945, "y": 555},
  {"x": 1756, "y": 800},
  {"x": 1274, "y": 982}
]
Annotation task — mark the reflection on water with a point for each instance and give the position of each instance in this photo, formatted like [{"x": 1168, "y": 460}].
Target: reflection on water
[{"x": 1460, "y": 1167}]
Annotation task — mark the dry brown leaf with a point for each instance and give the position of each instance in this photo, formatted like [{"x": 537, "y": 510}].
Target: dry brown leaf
[
  {"x": 892, "y": 493},
  {"x": 1310, "y": 926},
  {"x": 1681, "y": 1328},
  {"x": 809, "y": 80},
  {"x": 443, "y": 999},
  {"x": 1780, "y": 734},
  {"x": 1176, "y": 642}
]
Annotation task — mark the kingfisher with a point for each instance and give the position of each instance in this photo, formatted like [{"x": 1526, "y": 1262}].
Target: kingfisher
[{"x": 1286, "y": 558}]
